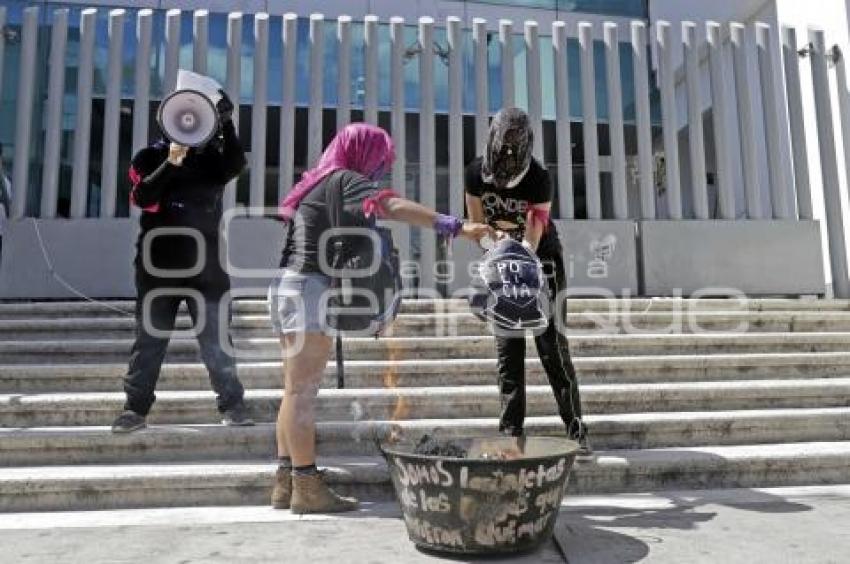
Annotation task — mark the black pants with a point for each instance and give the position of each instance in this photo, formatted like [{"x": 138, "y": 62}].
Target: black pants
[
  {"x": 149, "y": 350},
  {"x": 554, "y": 353}
]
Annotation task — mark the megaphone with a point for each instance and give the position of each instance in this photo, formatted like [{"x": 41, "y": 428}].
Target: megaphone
[{"x": 188, "y": 116}]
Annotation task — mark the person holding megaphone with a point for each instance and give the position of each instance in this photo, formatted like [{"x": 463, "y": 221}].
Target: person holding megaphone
[{"x": 178, "y": 182}]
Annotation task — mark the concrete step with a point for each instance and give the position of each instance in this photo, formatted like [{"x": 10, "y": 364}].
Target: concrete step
[
  {"x": 82, "y": 445},
  {"x": 463, "y": 324},
  {"x": 28, "y": 310},
  {"x": 93, "y": 409},
  {"x": 73, "y": 378},
  {"x": 217, "y": 483},
  {"x": 408, "y": 348}
]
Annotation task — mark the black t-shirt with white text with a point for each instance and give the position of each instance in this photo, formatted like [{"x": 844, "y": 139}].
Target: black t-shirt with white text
[{"x": 507, "y": 209}]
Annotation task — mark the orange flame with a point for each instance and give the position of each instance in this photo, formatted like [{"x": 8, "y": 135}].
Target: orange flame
[{"x": 390, "y": 377}]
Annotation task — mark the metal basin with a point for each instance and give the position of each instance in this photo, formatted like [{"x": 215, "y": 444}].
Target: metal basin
[{"x": 503, "y": 497}]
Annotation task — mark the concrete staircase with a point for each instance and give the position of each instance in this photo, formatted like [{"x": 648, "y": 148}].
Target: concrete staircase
[{"x": 678, "y": 393}]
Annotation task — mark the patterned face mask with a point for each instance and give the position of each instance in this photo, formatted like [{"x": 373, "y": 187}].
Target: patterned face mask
[{"x": 509, "y": 148}]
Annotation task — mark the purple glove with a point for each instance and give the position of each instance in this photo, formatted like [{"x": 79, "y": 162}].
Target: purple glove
[{"x": 447, "y": 225}]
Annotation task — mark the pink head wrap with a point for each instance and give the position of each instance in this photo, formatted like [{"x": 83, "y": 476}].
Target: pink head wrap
[{"x": 359, "y": 147}]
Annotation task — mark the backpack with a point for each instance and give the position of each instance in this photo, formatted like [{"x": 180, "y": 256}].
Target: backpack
[
  {"x": 510, "y": 292},
  {"x": 366, "y": 287}
]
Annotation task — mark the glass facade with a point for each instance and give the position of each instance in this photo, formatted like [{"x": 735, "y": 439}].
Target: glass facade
[
  {"x": 624, "y": 8},
  {"x": 217, "y": 56}
]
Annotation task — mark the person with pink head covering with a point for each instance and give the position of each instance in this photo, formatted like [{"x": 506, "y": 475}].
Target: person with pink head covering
[{"x": 354, "y": 163}]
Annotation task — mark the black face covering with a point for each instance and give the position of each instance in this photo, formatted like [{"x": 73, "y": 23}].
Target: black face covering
[{"x": 509, "y": 148}]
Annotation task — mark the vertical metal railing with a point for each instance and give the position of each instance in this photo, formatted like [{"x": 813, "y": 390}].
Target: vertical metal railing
[
  {"x": 775, "y": 121},
  {"x": 427, "y": 148},
  {"x": 233, "y": 86},
  {"x": 53, "y": 127},
  {"x": 287, "y": 105},
  {"x": 112, "y": 116},
  {"x": 643, "y": 120},
  {"x": 82, "y": 133},
  {"x": 829, "y": 162},
  {"x": 563, "y": 136},
  {"x": 746, "y": 119},
  {"x": 259, "y": 111},
  {"x": 200, "y": 40},
  {"x": 802, "y": 181},
  {"x": 673, "y": 180},
  {"x": 616, "y": 127},
  {"x": 759, "y": 62},
  {"x": 24, "y": 116},
  {"x": 370, "y": 95},
  {"x": 592, "y": 183},
  {"x": 696, "y": 133},
  {"x": 724, "y": 137}
]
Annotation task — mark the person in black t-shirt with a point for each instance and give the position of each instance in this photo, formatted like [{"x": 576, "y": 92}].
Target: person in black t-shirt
[
  {"x": 181, "y": 188},
  {"x": 512, "y": 192}
]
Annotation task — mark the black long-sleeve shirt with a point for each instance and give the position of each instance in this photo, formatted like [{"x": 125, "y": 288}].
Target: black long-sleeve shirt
[{"x": 185, "y": 196}]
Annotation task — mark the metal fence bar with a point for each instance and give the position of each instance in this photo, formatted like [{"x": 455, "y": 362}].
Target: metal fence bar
[
  {"x": 616, "y": 126},
  {"x": 829, "y": 160},
  {"x": 287, "y": 105},
  {"x": 535, "y": 86},
  {"x": 258, "y": 114},
  {"x": 233, "y": 87},
  {"x": 401, "y": 231},
  {"x": 172, "y": 49},
  {"x": 200, "y": 40},
  {"x": 456, "y": 192},
  {"x": 775, "y": 121},
  {"x": 506, "y": 41},
  {"x": 142, "y": 96},
  {"x": 314, "y": 112},
  {"x": 746, "y": 119},
  {"x": 24, "y": 111},
  {"x": 53, "y": 126},
  {"x": 82, "y": 133},
  {"x": 427, "y": 157},
  {"x": 696, "y": 132},
  {"x": 667, "y": 75},
  {"x": 591, "y": 136},
  {"x": 793, "y": 85},
  {"x": 721, "y": 108},
  {"x": 370, "y": 101},
  {"x": 643, "y": 120},
  {"x": 112, "y": 115},
  {"x": 563, "y": 140},
  {"x": 482, "y": 90},
  {"x": 343, "y": 105}
]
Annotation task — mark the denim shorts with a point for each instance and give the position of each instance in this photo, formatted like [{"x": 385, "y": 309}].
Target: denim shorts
[{"x": 297, "y": 302}]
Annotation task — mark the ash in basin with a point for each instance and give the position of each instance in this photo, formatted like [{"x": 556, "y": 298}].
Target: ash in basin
[{"x": 431, "y": 446}]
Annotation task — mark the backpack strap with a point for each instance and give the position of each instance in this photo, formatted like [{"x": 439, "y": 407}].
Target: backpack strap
[{"x": 333, "y": 202}]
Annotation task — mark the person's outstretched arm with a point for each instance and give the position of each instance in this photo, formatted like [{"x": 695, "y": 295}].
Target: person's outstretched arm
[{"x": 400, "y": 209}]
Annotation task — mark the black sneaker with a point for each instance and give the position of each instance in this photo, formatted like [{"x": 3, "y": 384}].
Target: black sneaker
[
  {"x": 128, "y": 422},
  {"x": 237, "y": 417}
]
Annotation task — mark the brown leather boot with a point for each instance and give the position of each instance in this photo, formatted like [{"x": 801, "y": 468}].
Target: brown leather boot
[
  {"x": 282, "y": 491},
  {"x": 310, "y": 494}
]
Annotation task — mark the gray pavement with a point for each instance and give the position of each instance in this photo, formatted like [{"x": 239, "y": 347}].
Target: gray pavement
[
  {"x": 793, "y": 525},
  {"x": 776, "y": 526}
]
